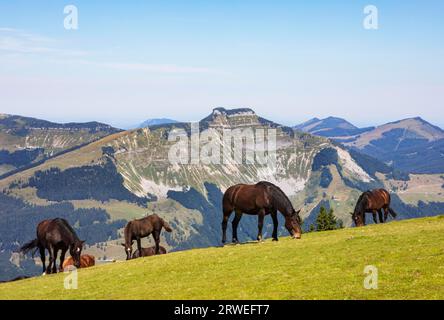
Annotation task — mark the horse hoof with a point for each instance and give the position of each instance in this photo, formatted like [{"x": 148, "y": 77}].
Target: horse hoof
[{"x": 275, "y": 239}]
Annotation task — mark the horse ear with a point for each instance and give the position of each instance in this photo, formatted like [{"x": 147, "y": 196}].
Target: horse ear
[
  {"x": 351, "y": 213},
  {"x": 83, "y": 242},
  {"x": 122, "y": 244},
  {"x": 299, "y": 211}
]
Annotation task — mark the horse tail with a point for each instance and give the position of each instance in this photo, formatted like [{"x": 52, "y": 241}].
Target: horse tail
[
  {"x": 166, "y": 226},
  {"x": 29, "y": 246},
  {"x": 392, "y": 213}
]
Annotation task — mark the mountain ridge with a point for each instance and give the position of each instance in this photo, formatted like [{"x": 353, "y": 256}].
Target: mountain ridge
[{"x": 312, "y": 170}]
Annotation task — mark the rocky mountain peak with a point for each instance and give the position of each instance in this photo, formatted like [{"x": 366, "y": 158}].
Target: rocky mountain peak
[{"x": 232, "y": 117}]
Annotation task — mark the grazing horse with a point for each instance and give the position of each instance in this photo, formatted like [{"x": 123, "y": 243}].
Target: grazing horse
[
  {"x": 55, "y": 235},
  {"x": 141, "y": 228},
  {"x": 260, "y": 199},
  {"x": 86, "y": 261},
  {"x": 372, "y": 201},
  {"x": 148, "y": 252}
]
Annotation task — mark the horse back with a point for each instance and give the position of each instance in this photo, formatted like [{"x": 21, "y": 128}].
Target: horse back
[
  {"x": 247, "y": 198},
  {"x": 377, "y": 199},
  {"x": 86, "y": 260}
]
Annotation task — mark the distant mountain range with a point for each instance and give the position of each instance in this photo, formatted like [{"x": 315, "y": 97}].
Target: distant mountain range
[
  {"x": 25, "y": 141},
  {"x": 156, "y": 122},
  {"x": 98, "y": 178},
  {"x": 331, "y": 127},
  {"x": 411, "y": 145}
]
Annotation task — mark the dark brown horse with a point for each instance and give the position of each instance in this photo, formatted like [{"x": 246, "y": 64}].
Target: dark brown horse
[
  {"x": 260, "y": 199},
  {"x": 148, "y": 252},
  {"x": 55, "y": 235},
  {"x": 86, "y": 260},
  {"x": 141, "y": 228},
  {"x": 373, "y": 201}
]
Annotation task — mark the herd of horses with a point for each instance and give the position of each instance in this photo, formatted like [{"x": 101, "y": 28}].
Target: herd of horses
[{"x": 261, "y": 199}]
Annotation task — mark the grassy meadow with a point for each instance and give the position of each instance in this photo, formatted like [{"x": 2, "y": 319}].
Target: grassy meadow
[{"x": 409, "y": 256}]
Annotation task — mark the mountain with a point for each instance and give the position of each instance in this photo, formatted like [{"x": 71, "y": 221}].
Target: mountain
[
  {"x": 330, "y": 127},
  {"x": 156, "y": 122},
  {"x": 125, "y": 175},
  {"x": 411, "y": 145},
  {"x": 26, "y": 141}
]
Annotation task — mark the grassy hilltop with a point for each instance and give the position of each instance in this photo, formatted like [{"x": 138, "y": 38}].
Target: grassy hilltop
[{"x": 409, "y": 256}]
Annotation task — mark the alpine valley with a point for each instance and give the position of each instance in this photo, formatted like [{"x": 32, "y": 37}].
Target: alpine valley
[{"x": 99, "y": 177}]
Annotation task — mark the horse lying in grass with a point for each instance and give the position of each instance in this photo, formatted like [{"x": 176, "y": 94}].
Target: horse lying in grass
[
  {"x": 141, "y": 228},
  {"x": 373, "y": 201},
  {"x": 86, "y": 261},
  {"x": 260, "y": 199},
  {"x": 54, "y": 235},
  {"x": 148, "y": 252}
]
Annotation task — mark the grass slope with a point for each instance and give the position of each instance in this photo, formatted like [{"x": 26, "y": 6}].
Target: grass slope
[{"x": 409, "y": 256}]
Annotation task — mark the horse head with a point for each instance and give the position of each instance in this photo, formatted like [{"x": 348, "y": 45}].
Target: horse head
[
  {"x": 76, "y": 252},
  {"x": 293, "y": 224},
  {"x": 357, "y": 219},
  {"x": 128, "y": 249}
]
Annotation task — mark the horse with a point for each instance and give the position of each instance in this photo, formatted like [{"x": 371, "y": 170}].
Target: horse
[
  {"x": 141, "y": 228},
  {"x": 259, "y": 199},
  {"x": 55, "y": 235},
  {"x": 148, "y": 252},
  {"x": 86, "y": 261},
  {"x": 373, "y": 201}
]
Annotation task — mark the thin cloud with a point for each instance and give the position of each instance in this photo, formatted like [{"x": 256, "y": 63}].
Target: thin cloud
[
  {"x": 18, "y": 42},
  {"x": 161, "y": 68},
  {"x": 15, "y": 41}
]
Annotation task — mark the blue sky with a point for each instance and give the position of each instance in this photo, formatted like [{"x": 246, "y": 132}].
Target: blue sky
[{"x": 288, "y": 60}]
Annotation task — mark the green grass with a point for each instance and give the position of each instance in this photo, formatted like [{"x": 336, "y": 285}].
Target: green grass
[{"x": 409, "y": 256}]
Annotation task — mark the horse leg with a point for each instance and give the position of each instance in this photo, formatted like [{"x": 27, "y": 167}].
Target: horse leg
[
  {"x": 139, "y": 246},
  {"x": 156, "y": 236},
  {"x": 375, "y": 220},
  {"x": 234, "y": 225},
  {"x": 386, "y": 213},
  {"x": 260, "y": 223},
  {"x": 43, "y": 258},
  {"x": 54, "y": 266},
  {"x": 227, "y": 214},
  {"x": 381, "y": 218},
  {"x": 51, "y": 259},
  {"x": 275, "y": 225},
  {"x": 62, "y": 259}
]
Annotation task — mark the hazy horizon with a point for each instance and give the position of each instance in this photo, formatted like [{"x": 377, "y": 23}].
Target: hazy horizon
[
  {"x": 133, "y": 124},
  {"x": 288, "y": 61}
]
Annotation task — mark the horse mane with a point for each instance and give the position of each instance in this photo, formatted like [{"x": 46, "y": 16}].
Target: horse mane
[
  {"x": 360, "y": 199},
  {"x": 127, "y": 232},
  {"x": 278, "y": 194},
  {"x": 69, "y": 230}
]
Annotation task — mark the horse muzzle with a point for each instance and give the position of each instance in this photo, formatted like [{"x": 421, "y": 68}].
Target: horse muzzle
[{"x": 296, "y": 236}]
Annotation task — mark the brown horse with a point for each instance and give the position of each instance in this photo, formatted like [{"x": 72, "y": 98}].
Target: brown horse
[
  {"x": 260, "y": 199},
  {"x": 55, "y": 235},
  {"x": 148, "y": 252},
  {"x": 141, "y": 228},
  {"x": 372, "y": 201},
  {"x": 86, "y": 261}
]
